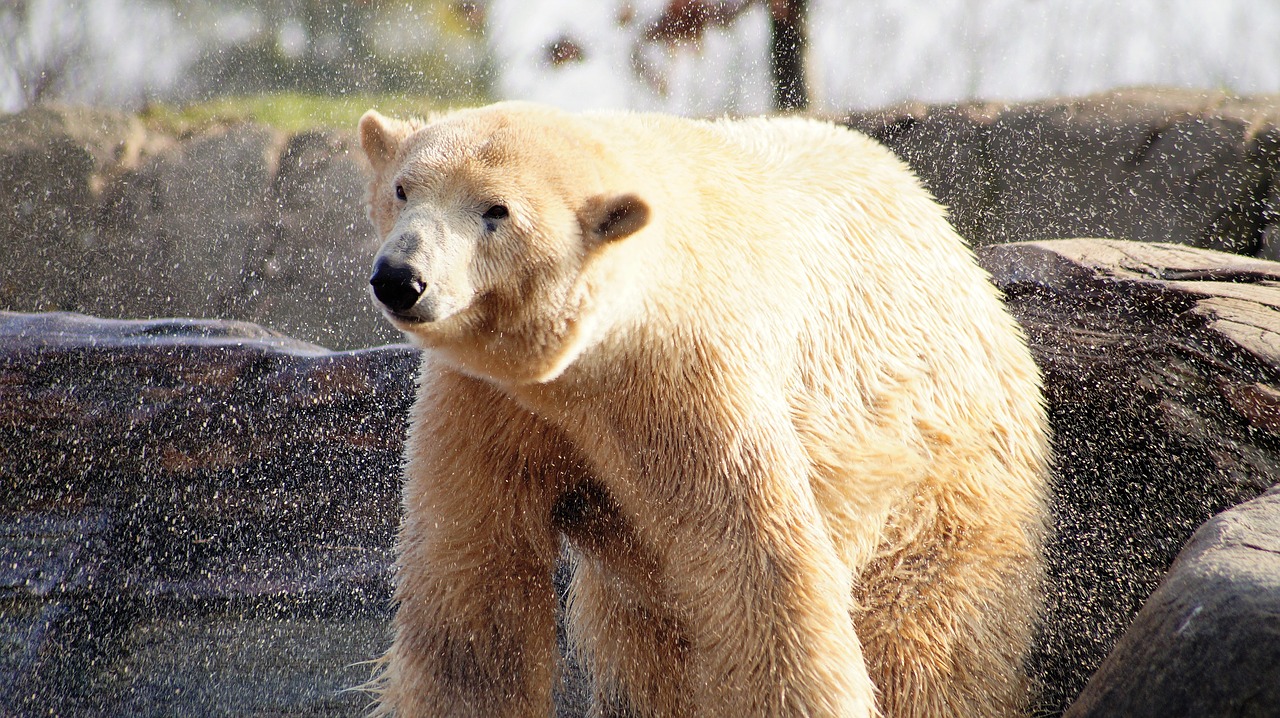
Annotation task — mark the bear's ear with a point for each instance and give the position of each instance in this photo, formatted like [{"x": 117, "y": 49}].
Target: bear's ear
[
  {"x": 380, "y": 137},
  {"x": 608, "y": 218}
]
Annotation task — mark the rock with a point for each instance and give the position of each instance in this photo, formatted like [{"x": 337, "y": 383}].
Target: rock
[
  {"x": 186, "y": 225},
  {"x": 199, "y": 515},
  {"x": 244, "y": 222},
  {"x": 236, "y": 221},
  {"x": 311, "y": 279},
  {"x": 1161, "y": 369},
  {"x": 1207, "y": 641},
  {"x": 54, "y": 164},
  {"x": 1176, "y": 166}
]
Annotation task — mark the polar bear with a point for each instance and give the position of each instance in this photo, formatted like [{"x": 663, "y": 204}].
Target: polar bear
[{"x": 750, "y": 375}]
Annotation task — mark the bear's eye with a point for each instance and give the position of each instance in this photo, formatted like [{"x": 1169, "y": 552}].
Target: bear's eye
[
  {"x": 497, "y": 211},
  {"x": 400, "y": 195}
]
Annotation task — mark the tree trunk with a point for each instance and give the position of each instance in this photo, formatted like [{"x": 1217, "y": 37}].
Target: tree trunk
[{"x": 786, "y": 54}]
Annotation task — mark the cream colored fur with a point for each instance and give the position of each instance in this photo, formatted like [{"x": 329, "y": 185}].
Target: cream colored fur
[{"x": 753, "y": 375}]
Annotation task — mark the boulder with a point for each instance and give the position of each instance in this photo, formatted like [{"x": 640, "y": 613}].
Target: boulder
[
  {"x": 185, "y": 227},
  {"x": 245, "y": 222},
  {"x": 311, "y": 278},
  {"x": 1195, "y": 168},
  {"x": 199, "y": 515},
  {"x": 235, "y": 220},
  {"x": 1162, "y": 375},
  {"x": 54, "y": 164},
  {"x": 1207, "y": 641}
]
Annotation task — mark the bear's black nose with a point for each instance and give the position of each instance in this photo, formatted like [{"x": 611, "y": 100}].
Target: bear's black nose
[{"x": 396, "y": 285}]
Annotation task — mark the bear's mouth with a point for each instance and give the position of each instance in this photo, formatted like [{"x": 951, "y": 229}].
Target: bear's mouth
[{"x": 405, "y": 318}]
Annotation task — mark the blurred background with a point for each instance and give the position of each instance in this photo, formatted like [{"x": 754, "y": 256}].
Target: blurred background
[{"x": 684, "y": 56}]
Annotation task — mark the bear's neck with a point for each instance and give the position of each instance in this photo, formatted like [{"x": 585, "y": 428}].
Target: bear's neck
[{"x": 633, "y": 390}]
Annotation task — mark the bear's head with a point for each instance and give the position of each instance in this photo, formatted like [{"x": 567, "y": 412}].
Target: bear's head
[{"x": 493, "y": 222}]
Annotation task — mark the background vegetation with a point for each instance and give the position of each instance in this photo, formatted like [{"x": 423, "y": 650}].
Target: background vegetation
[{"x": 286, "y": 54}]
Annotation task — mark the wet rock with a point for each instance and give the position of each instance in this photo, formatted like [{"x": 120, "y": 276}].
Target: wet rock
[
  {"x": 1162, "y": 375},
  {"x": 54, "y": 164},
  {"x": 1207, "y": 642},
  {"x": 235, "y": 221},
  {"x": 199, "y": 515},
  {"x": 1187, "y": 167},
  {"x": 244, "y": 222},
  {"x": 185, "y": 225},
  {"x": 311, "y": 278}
]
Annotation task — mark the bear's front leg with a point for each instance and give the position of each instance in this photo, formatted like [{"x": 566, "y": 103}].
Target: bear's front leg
[
  {"x": 765, "y": 599},
  {"x": 474, "y": 628}
]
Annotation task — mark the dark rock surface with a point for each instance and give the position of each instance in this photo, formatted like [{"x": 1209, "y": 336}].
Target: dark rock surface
[
  {"x": 1162, "y": 374},
  {"x": 198, "y": 516},
  {"x": 1207, "y": 642}
]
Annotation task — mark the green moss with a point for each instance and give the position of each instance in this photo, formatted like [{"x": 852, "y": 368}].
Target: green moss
[{"x": 288, "y": 111}]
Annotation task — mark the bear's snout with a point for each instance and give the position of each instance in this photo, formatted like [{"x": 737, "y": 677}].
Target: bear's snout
[{"x": 397, "y": 286}]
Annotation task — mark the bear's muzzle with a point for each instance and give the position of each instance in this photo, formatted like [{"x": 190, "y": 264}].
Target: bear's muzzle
[{"x": 398, "y": 286}]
